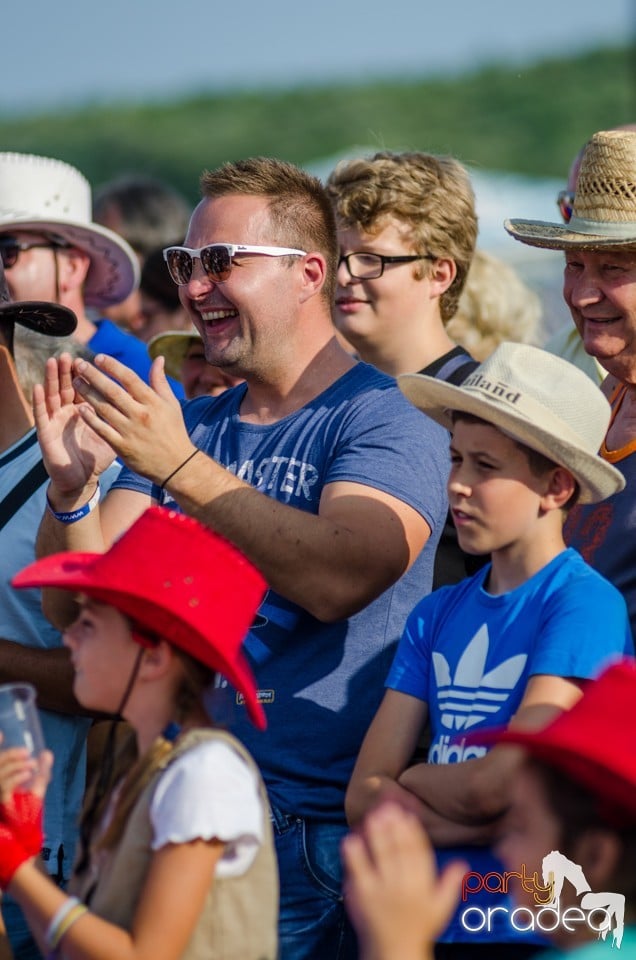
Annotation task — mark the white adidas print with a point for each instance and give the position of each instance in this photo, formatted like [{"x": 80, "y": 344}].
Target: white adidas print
[{"x": 473, "y": 695}]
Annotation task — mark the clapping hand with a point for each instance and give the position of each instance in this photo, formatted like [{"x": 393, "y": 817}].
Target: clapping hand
[{"x": 74, "y": 454}]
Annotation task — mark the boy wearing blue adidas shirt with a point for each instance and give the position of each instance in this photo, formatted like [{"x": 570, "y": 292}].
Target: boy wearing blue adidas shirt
[{"x": 512, "y": 644}]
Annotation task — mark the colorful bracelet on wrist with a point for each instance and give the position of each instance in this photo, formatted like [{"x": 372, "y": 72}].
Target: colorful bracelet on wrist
[
  {"x": 74, "y": 515},
  {"x": 70, "y": 911}
]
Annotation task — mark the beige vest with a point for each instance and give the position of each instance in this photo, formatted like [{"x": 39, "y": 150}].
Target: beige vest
[{"x": 240, "y": 917}]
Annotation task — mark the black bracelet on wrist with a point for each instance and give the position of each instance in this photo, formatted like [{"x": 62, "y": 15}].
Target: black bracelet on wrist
[{"x": 162, "y": 486}]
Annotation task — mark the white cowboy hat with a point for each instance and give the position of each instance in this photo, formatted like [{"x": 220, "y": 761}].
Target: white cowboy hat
[
  {"x": 52, "y": 197},
  {"x": 604, "y": 211},
  {"x": 539, "y": 400}
]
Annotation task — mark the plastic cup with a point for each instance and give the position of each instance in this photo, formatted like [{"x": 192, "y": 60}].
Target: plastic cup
[{"x": 19, "y": 720}]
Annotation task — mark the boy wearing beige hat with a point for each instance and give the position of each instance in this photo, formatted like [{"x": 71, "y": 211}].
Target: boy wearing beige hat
[
  {"x": 512, "y": 643},
  {"x": 599, "y": 243}
]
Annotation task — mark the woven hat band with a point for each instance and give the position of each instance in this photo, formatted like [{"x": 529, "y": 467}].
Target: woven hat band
[
  {"x": 608, "y": 229},
  {"x": 604, "y": 210}
]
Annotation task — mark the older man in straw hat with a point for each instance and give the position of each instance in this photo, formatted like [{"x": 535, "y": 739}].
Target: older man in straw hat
[
  {"x": 599, "y": 242},
  {"x": 51, "y": 249}
]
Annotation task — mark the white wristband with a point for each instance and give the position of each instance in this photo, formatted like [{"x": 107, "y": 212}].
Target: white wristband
[{"x": 74, "y": 515}]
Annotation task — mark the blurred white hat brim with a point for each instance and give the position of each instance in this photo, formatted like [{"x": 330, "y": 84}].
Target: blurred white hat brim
[{"x": 173, "y": 346}]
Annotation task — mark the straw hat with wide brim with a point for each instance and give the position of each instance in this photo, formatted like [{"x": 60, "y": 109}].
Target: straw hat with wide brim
[
  {"x": 48, "y": 196},
  {"x": 604, "y": 212},
  {"x": 176, "y": 579},
  {"x": 172, "y": 346},
  {"x": 539, "y": 400}
]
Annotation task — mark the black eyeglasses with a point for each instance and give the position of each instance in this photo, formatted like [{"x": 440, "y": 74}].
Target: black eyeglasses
[
  {"x": 216, "y": 259},
  {"x": 10, "y": 248},
  {"x": 565, "y": 203},
  {"x": 370, "y": 266}
]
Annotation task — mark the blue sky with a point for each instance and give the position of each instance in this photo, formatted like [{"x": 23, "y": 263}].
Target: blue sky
[{"x": 81, "y": 50}]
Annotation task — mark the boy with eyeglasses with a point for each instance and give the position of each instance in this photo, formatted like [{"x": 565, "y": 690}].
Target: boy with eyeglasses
[
  {"x": 316, "y": 468},
  {"x": 407, "y": 230}
]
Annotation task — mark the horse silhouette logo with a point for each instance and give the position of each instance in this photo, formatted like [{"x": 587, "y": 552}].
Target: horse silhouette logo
[{"x": 557, "y": 869}]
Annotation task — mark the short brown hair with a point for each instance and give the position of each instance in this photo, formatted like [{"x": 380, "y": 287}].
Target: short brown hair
[
  {"x": 538, "y": 463},
  {"x": 300, "y": 211},
  {"x": 432, "y": 195}
]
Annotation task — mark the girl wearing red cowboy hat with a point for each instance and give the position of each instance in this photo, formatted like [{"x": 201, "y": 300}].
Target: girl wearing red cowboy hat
[{"x": 177, "y": 857}]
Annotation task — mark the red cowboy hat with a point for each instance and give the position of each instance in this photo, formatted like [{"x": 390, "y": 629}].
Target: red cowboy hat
[
  {"x": 593, "y": 743},
  {"x": 177, "y": 579}
]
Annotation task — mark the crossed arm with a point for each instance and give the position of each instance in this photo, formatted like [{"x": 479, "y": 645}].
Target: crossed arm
[
  {"x": 459, "y": 803},
  {"x": 332, "y": 564}
]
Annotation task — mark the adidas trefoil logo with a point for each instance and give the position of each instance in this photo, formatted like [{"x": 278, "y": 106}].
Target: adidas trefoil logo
[{"x": 472, "y": 695}]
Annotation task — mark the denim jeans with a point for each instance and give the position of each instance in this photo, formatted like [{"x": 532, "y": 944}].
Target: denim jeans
[
  {"x": 313, "y": 922},
  {"x": 21, "y": 941}
]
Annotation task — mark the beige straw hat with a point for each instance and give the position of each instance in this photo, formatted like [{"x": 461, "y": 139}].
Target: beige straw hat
[
  {"x": 539, "y": 400},
  {"x": 604, "y": 213},
  {"x": 52, "y": 197},
  {"x": 172, "y": 345}
]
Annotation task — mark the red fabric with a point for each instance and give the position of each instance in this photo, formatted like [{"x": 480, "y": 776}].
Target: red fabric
[
  {"x": 12, "y": 856},
  {"x": 174, "y": 578},
  {"x": 593, "y": 742},
  {"x": 23, "y": 816}
]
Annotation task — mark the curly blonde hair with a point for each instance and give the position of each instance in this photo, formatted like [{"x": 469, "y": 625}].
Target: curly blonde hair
[{"x": 431, "y": 195}]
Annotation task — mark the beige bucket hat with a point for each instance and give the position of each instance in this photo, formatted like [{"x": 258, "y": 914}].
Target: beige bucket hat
[
  {"x": 537, "y": 399},
  {"x": 604, "y": 212},
  {"x": 52, "y": 197}
]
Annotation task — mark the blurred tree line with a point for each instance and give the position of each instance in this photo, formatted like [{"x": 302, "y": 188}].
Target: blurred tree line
[{"x": 528, "y": 120}]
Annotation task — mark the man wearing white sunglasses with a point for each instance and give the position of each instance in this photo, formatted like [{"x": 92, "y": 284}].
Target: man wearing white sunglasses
[{"x": 315, "y": 467}]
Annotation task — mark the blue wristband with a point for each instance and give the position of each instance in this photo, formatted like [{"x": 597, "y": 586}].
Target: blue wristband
[{"x": 74, "y": 515}]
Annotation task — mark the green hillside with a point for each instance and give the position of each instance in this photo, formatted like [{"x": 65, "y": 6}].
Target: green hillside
[{"x": 529, "y": 120}]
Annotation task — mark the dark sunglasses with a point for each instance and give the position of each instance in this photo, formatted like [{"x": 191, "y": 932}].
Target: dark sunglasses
[
  {"x": 10, "y": 248},
  {"x": 216, "y": 259},
  {"x": 565, "y": 203}
]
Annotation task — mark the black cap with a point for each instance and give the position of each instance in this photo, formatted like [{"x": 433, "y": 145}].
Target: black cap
[{"x": 41, "y": 316}]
